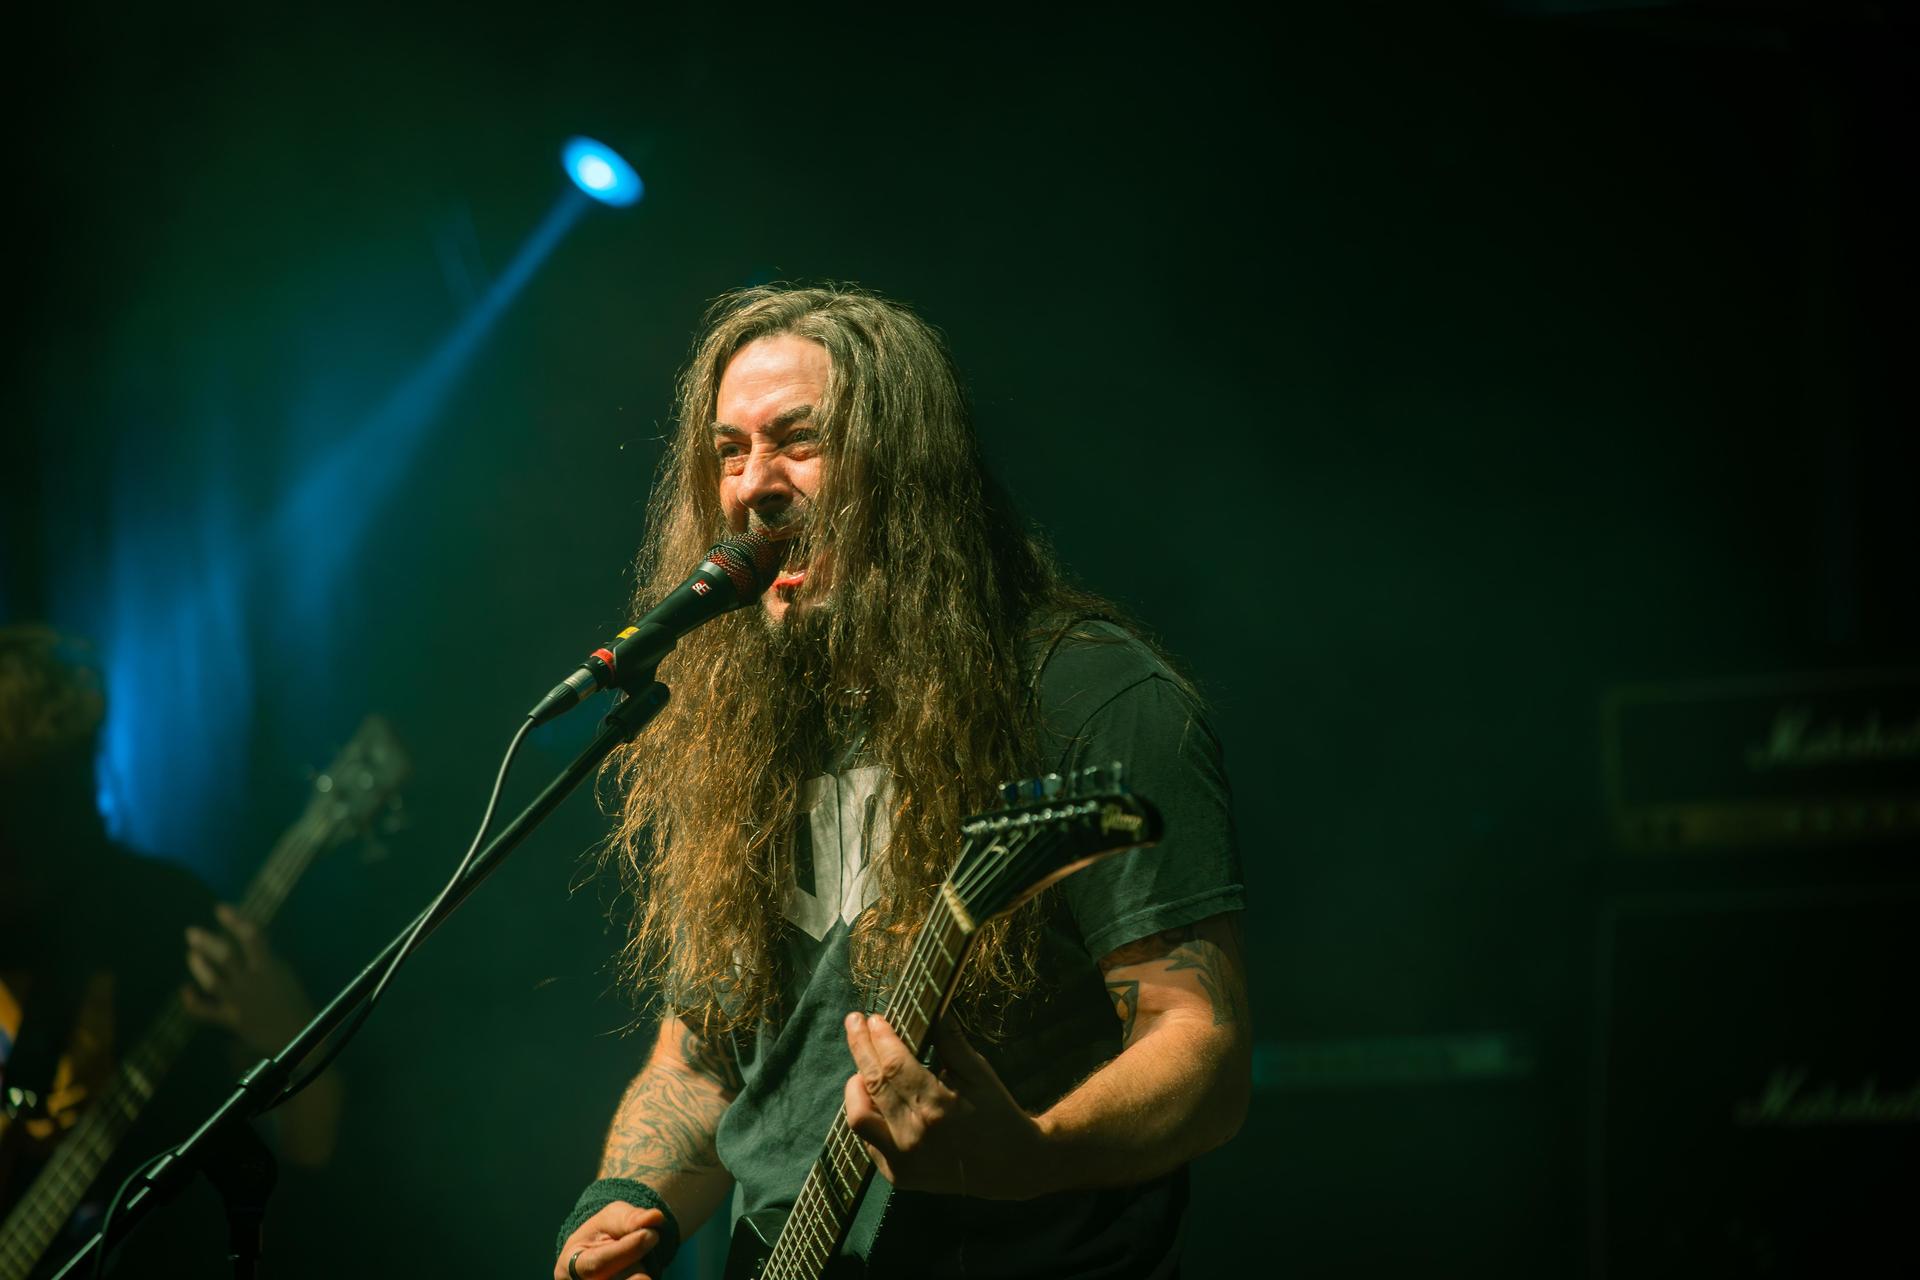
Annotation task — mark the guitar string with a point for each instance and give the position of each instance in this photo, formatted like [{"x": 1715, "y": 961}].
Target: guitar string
[
  {"x": 844, "y": 1156},
  {"x": 918, "y": 970},
  {"x": 813, "y": 1246},
  {"x": 843, "y": 1147},
  {"x": 38, "y": 1216},
  {"x": 918, "y": 976},
  {"x": 1018, "y": 851}
]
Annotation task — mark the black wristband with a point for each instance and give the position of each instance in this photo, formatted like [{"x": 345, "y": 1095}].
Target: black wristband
[{"x": 607, "y": 1190}]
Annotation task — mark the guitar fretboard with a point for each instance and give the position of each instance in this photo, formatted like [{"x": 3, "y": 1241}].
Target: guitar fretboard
[{"x": 833, "y": 1186}]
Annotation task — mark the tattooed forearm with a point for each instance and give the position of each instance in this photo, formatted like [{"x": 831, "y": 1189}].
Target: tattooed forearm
[
  {"x": 1216, "y": 977},
  {"x": 665, "y": 1125},
  {"x": 1126, "y": 1006},
  {"x": 713, "y": 1059}
]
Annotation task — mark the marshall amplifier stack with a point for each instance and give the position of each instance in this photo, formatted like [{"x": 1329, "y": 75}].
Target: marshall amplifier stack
[{"x": 1755, "y": 1072}]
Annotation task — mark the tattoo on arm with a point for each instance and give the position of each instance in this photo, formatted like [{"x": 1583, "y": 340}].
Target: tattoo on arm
[
  {"x": 713, "y": 1059},
  {"x": 1210, "y": 966},
  {"x": 1126, "y": 1006},
  {"x": 665, "y": 1125},
  {"x": 1181, "y": 948}
]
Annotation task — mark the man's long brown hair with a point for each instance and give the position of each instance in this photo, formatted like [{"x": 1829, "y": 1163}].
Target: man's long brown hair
[{"x": 935, "y": 590}]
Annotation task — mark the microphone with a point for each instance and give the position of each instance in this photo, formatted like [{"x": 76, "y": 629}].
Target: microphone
[{"x": 734, "y": 574}]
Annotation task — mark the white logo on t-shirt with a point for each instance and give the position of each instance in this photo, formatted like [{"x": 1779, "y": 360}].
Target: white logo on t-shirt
[{"x": 844, "y": 824}]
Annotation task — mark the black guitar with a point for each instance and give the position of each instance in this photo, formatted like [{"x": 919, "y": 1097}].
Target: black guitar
[{"x": 1050, "y": 829}]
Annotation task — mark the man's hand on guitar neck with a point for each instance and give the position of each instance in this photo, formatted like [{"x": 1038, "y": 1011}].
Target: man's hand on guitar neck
[
  {"x": 1178, "y": 1087},
  {"x": 960, "y": 1132}
]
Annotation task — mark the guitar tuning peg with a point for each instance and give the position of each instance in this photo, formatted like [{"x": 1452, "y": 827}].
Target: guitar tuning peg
[
  {"x": 1051, "y": 786},
  {"x": 1009, "y": 794}
]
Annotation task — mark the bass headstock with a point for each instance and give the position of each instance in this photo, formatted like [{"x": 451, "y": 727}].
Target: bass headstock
[{"x": 362, "y": 783}]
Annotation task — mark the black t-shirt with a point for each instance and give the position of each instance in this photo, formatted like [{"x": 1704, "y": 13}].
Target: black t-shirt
[{"x": 1103, "y": 696}]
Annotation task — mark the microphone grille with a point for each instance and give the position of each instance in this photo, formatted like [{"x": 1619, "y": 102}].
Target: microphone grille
[{"x": 750, "y": 561}]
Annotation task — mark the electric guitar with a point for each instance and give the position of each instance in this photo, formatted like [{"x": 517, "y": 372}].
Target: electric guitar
[
  {"x": 355, "y": 788},
  {"x": 1049, "y": 829}
]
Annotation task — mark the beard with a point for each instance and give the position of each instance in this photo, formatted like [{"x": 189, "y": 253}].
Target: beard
[
  {"x": 784, "y": 666},
  {"x": 802, "y": 659},
  {"x": 798, "y": 643}
]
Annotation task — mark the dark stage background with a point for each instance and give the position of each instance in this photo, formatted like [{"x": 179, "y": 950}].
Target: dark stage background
[{"x": 1419, "y": 372}]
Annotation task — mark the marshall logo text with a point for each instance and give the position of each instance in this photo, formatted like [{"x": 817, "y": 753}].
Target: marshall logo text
[
  {"x": 1786, "y": 1102},
  {"x": 1799, "y": 741}
]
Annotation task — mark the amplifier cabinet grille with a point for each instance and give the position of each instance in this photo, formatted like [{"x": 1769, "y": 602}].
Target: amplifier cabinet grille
[{"x": 1755, "y": 1104}]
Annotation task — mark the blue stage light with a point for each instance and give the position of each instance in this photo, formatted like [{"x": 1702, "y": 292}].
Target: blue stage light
[
  {"x": 187, "y": 581},
  {"x": 598, "y": 170}
]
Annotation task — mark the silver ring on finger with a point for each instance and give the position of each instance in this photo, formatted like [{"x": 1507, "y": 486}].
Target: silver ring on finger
[{"x": 573, "y": 1271}]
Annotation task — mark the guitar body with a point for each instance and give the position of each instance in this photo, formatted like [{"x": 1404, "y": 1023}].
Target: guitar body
[{"x": 753, "y": 1240}]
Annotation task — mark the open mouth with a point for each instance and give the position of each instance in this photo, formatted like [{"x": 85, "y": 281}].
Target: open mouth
[{"x": 790, "y": 534}]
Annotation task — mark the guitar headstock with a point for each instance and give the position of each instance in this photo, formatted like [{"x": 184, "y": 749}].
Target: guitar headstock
[
  {"x": 362, "y": 782},
  {"x": 1047, "y": 829}
]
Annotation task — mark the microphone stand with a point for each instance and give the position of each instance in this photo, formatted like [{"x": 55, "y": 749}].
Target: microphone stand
[{"x": 225, "y": 1145}]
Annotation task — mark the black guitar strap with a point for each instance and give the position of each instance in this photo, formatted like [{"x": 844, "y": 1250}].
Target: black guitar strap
[{"x": 865, "y": 1228}]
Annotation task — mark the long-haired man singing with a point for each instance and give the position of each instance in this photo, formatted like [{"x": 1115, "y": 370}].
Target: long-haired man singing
[{"x": 785, "y": 822}]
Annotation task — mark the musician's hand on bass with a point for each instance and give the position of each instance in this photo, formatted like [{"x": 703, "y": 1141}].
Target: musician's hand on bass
[
  {"x": 611, "y": 1245},
  {"x": 240, "y": 983},
  {"x": 958, "y": 1132}
]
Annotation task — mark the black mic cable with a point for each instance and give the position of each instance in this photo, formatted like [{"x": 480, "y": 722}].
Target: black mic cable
[{"x": 735, "y": 573}]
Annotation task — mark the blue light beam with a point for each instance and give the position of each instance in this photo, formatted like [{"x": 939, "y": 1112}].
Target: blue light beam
[
  {"x": 181, "y": 585},
  {"x": 325, "y": 518}
]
